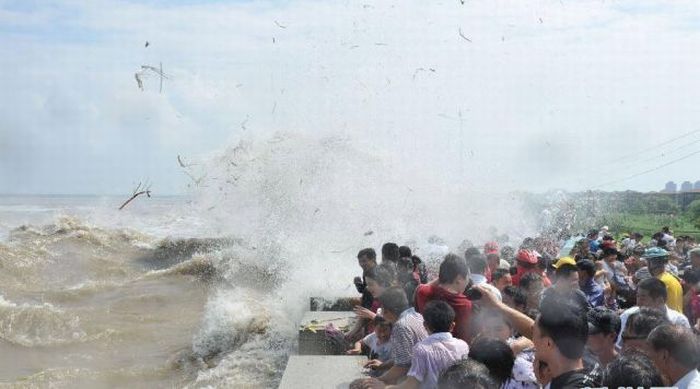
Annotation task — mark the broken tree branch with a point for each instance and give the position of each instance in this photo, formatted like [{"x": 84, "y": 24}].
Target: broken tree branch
[{"x": 146, "y": 190}]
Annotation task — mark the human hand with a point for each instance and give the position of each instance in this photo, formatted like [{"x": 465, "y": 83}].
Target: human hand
[
  {"x": 364, "y": 313},
  {"x": 487, "y": 299},
  {"x": 373, "y": 383},
  {"x": 353, "y": 351},
  {"x": 373, "y": 364}
]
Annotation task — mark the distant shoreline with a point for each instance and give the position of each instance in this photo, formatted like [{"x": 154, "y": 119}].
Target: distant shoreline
[{"x": 35, "y": 195}]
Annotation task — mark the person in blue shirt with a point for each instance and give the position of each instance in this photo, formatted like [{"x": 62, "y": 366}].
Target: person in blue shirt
[
  {"x": 593, "y": 243},
  {"x": 592, "y": 290}
]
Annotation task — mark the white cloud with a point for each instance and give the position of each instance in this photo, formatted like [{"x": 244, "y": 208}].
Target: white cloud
[{"x": 550, "y": 92}]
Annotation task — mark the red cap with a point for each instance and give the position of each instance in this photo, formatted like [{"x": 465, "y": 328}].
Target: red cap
[
  {"x": 491, "y": 248},
  {"x": 526, "y": 256}
]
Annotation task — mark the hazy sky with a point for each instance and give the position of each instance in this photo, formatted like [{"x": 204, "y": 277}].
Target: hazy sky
[{"x": 552, "y": 94}]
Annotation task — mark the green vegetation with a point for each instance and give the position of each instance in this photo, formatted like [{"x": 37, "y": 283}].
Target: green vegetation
[
  {"x": 648, "y": 224},
  {"x": 622, "y": 212},
  {"x": 693, "y": 213}
]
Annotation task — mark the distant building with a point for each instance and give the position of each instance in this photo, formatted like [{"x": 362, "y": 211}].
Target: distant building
[
  {"x": 697, "y": 185},
  {"x": 671, "y": 187},
  {"x": 687, "y": 186}
]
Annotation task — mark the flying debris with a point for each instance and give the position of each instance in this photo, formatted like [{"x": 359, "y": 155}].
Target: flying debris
[
  {"x": 368, "y": 233},
  {"x": 145, "y": 69},
  {"x": 464, "y": 36},
  {"x": 183, "y": 164},
  {"x": 421, "y": 70},
  {"x": 139, "y": 82},
  {"x": 147, "y": 44},
  {"x": 140, "y": 190},
  {"x": 279, "y": 25},
  {"x": 197, "y": 181}
]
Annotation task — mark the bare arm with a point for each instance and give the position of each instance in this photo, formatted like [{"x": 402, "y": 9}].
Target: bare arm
[
  {"x": 521, "y": 322},
  {"x": 408, "y": 383},
  {"x": 393, "y": 375}
]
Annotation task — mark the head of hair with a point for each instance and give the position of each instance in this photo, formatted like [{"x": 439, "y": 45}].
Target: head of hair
[
  {"x": 566, "y": 270},
  {"x": 477, "y": 263},
  {"x": 381, "y": 275},
  {"x": 496, "y": 355},
  {"x": 390, "y": 252},
  {"x": 528, "y": 243},
  {"x": 679, "y": 341},
  {"x": 467, "y": 373},
  {"x": 471, "y": 251},
  {"x": 499, "y": 273},
  {"x": 631, "y": 369},
  {"x": 528, "y": 279},
  {"x": 394, "y": 300},
  {"x": 691, "y": 277},
  {"x": 368, "y": 253},
  {"x": 380, "y": 321},
  {"x": 566, "y": 323},
  {"x": 517, "y": 294},
  {"x": 605, "y": 320},
  {"x": 587, "y": 266},
  {"x": 438, "y": 316},
  {"x": 416, "y": 260},
  {"x": 644, "y": 321},
  {"x": 451, "y": 267},
  {"x": 654, "y": 287},
  {"x": 404, "y": 264},
  {"x": 405, "y": 251}
]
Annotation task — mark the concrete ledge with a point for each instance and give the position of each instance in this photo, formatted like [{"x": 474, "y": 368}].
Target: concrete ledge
[
  {"x": 312, "y": 335},
  {"x": 323, "y": 372}
]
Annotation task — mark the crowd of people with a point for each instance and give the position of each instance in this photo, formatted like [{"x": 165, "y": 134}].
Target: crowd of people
[{"x": 587, "y": 312}]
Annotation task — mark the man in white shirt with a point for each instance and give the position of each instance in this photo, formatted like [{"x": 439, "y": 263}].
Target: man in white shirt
[
  {"x": 651, "y": 293},
  {"x": 676, "y": 353},
  {"x": 478, "y": 264}
]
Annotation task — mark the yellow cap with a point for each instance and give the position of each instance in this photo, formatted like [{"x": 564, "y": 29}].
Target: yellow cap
[{"x": 564, "y": 261}]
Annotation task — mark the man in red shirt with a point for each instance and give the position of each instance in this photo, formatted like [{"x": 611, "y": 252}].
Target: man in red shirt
[{"x": 449, "y": 287}]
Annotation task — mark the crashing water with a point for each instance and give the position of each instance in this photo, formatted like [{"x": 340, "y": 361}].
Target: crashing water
[{"x": 207, "y": 290}]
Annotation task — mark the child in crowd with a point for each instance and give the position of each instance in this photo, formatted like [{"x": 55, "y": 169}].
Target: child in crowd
[
  {"x": 378, "y": 343},
  {"x": 432, "y": 355}
]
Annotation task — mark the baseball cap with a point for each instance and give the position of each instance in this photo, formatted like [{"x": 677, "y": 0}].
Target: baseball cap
[
  {"x": 491, "y": 248},
  {"x": 564, "y": 261},
  {"x": 526, "y": 256},
  {"x": 655, "y": 253}
]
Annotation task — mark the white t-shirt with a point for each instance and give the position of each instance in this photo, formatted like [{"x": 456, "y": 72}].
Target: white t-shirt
[
  {"x": 675, "y": 317},
  {"x": 383, "y": 350}
]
